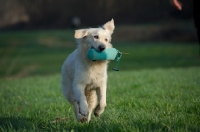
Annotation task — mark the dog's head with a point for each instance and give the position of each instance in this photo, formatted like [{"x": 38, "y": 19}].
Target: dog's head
[{"x": 97, "y": 38}]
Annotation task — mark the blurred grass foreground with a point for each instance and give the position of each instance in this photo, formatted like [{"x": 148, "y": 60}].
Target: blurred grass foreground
[{"x": 42, "y": 52}]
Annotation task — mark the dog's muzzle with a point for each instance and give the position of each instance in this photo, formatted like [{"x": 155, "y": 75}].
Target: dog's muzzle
[{"x": 101, "y": 47}]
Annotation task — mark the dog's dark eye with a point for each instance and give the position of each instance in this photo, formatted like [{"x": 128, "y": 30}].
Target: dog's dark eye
[
  {"x": 106, "y": 40},
  {"x": 96, "y": 37}
]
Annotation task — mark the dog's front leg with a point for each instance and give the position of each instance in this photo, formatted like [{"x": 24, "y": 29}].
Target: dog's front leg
[
  {"x": 79, "y": 97},
  {"x": 101, "y": 93}
]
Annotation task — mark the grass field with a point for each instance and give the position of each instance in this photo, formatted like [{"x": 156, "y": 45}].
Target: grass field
[
  {"x": 27, "y": 53},
  {"x": 156, "y": 89}
]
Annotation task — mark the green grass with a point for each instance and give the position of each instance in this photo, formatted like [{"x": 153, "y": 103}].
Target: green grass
[
  {"x": 24, "y": 53},
  {"x": 156, "y": 89},
  {"x": 144, "y": 100}
]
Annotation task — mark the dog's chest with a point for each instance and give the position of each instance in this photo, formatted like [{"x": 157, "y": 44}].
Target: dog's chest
[{"x": 96, "y": 79}]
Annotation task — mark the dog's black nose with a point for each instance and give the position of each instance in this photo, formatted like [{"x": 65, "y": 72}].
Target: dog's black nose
[{"x": 101, "y": 47}]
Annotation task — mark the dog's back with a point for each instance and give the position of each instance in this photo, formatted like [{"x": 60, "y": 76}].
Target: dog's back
[{"x": 68, "y": 70}]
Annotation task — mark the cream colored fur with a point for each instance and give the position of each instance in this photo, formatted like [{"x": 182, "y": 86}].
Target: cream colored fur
[{"x": 84, "y": 81}]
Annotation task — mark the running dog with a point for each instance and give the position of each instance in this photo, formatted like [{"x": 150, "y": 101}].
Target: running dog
[{"x": 84, "y": 81}]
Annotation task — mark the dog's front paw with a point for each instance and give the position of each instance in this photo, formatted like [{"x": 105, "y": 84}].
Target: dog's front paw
[
  {"x": 82, "y": 118},
  {"x": 83, "y": 109},
  {"x": 83, "y": 113}
]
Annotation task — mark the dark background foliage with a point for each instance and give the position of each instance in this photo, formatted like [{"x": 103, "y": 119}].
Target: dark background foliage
[{"x": 34, "y": 14}]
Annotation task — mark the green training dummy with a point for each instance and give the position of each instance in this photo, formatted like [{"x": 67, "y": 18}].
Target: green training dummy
[{"x": 107, "y": 54}]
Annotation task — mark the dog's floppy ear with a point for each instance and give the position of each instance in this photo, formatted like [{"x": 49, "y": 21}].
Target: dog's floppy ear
[
  {"x": 109, "y": 26},
  {"x": 81, "y": 33}
]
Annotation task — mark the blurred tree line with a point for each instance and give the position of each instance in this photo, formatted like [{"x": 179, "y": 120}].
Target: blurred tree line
[{"x": 31, "y": 14}]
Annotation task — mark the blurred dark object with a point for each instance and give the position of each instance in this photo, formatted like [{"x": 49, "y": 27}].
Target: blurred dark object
[
  {"x": 177, "y": 4},
  {"x": 196, "y": 11},
  {"x": 75, "y": 22},
  {"x": 197, "y": 17},
  {"x": 51, "y": 14}
]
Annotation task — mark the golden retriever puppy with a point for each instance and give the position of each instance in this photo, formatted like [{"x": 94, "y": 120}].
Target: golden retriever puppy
[{"x": 84, "y": 81}]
